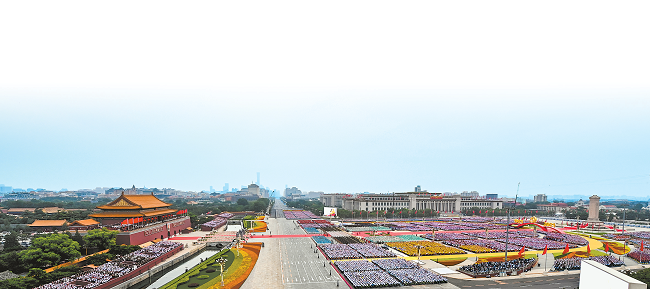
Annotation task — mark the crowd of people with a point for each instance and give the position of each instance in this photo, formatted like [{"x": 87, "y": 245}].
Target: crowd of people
[
  {"x": 537, "y": 243},
  {"x": 567, "y": 238},
  {"x": 226, "y": 215},
  {"x": 642, "y": 257},
  {"x": 494, "y": 268},
  {"x": 354, "y": 265},
  {"x": 416, "y": 276},
  {"x": 371, "y": 251},
  {"x": 448, "y": 236},
  {"x": 390, "y": 264},
  {"x": 298, "y": 215},
  {"x": 429, "y": 248},
  {"x": 388, "y": 239},
  {"x": 574, "y": 263},
  {"x": 386, "y": 272},
  {"x": 370, "y": 279},
  {"x": 495, "y": 234},
  {"x": 118, "y": 267},
  {"x": 347, "y": 240},
  {"x": 217, "y": 223},
  {"x": 491, "y": 244},
  {"x": 321, "y": 240}
]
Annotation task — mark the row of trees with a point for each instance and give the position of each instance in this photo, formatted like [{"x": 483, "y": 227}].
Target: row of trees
[{"x": 48, "y": 250}]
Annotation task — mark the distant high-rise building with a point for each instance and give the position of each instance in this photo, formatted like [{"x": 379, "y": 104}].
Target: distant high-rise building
[
  {"x": 540, "y": 198},
  {"x": 472, "y": 194},
  {"x": 491, "y": 196},
  {"x": 258, "y": 179},
  {"x": 211, "y": 189},
  {"x": 253, "y": 189},
  {"x": 418, "y": 189},
  {"x": 226, "y": 188},
  {"x": 5, "y": 189},
  {"x": 291, "y": 193}
]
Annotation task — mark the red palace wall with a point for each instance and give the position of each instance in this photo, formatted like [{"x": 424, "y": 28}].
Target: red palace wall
[{"x": 150, "y": 233}]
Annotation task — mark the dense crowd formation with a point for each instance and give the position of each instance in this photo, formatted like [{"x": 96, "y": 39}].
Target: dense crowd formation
[
  {"x": 491, "y": 244},
  {"x": 367, "y": 229},
  {"x": 538, "y": 244},
  {"x": 217, "y": 223},
  {"x": 574, "y": 263},
  {"x": 386, "y": 272},
  {"x": 225, "y": 215},
  {"x": 114, "y": 269},
  {"x": 448, "y": 236},
  {"x": 321, "y": 240},
  {"x": 298, "y": 215},
  {"x": 495, "y": 235},
  {"x": 354, "y": 251},
  {"x": 389, "y": 264},
  {"x": 639, "y": 256},
  {"x": 388, "y": 239},
  {"x": 428, "y": 248},
  {"x": 416, "y": 276},
  {"x": 494, "y": 268},
  {"x": 567, "y": 238}
]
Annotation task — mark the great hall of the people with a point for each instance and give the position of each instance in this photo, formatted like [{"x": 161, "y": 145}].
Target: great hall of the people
[{"x": 447, "y": 203}]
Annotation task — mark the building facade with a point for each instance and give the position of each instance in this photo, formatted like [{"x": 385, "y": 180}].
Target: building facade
[
  {"x": 540, "y": 198},
  {"x": 410, "y": 200}
]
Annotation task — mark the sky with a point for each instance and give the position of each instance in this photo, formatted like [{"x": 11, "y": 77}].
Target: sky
[{"x": 337, "y": 96}]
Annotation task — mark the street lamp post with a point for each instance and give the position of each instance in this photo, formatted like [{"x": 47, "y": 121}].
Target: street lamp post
[
  {"x": 419, "y": 247},
  {"x": 221, "y": 262}
]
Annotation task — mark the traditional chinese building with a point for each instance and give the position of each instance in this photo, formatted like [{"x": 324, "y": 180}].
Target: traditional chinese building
[
  {"x": 133, "y": 206},
  {"x": 157, "y": 221},
  {"x": 48, "y": 225}
]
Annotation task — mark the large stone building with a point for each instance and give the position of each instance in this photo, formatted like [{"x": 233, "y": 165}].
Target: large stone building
[
  {"x": 412, "y": 200},
  {"x": 539, "y": 198}
]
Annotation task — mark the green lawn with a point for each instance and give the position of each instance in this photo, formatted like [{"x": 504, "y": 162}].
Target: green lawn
[{"x": 196, "y": 271}]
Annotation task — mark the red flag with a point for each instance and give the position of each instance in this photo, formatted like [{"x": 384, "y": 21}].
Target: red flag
[
  {"x": 522, "y": 250},
  {"x": 125, "y": 222},
  {"x": 588, "y": 249},
  {"x": 606, "y": 247},
  {"x": 545, "y": 248},
  {"x": 473, "y": 212},
  {"x": 479, "y": 212},
  {"x": 566, "y": 249}
]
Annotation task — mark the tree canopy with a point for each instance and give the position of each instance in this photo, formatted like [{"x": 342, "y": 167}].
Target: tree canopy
[{"x": 100, "y": 238}]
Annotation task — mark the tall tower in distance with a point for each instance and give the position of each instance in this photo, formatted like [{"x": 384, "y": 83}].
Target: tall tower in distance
[{"x": 258, "y": 179}]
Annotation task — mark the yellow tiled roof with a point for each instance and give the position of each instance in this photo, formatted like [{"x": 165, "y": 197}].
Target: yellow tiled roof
[
  {"x": 132, "y": 202},
  {"x": 48, "y": 223},
  {"x": 116, "y": 215},
  {"x": 86, "y": 222}
]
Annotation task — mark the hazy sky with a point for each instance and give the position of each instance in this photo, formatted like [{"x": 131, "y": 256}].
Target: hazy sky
[{"x": 336, "y": 96}]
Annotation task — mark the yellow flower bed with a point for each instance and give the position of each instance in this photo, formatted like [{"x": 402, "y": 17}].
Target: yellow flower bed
[
  {"x": 429, "y": 248},
  {"x": 477, "y": 249}
]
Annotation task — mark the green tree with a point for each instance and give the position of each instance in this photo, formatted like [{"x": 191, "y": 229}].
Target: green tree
[
  {"x": 10, "y": 261},
  {"x": 37, "y": 258},
  {"x": 77, "y": 237},
  {"x": 99, "y": 259},
  {"x": 59, "y": 244},
  {"x": 11, "y": 242},
  {"x": 100, "y": 238},
  {"x": 123, "y": 249},
  {"x": 242, "y": 202}
]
